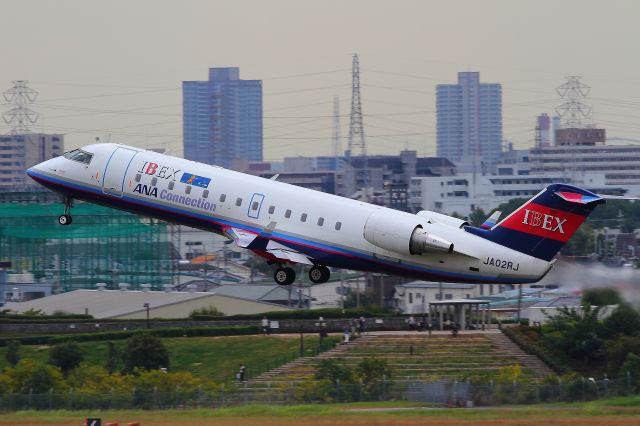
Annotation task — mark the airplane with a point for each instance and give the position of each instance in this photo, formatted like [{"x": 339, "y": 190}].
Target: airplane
[{"x": 287, "y": 224}]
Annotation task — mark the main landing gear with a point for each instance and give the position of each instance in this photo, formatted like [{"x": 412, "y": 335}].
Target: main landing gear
[
  {"x": 284, "y": 276},
  {"x": 65, "y": 219},
  {"x": 319, "y": 274}
]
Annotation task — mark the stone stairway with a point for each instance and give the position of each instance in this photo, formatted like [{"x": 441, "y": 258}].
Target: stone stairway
[
  {"x": 417, "y": 356},
  {"x": 531, "y": 362}
]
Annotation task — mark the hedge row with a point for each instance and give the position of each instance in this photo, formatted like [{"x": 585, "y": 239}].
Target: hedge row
[
  {"x": 326, "y": 313},
  {"x": 120, "y": 335},
  {"x": 532, "y": 349}
]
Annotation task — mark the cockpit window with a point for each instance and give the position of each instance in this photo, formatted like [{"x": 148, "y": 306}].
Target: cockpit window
[{"x": 79, "y": 156}]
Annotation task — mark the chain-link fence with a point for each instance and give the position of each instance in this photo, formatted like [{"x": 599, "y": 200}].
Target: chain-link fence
[{"x": 450, "y": 393}]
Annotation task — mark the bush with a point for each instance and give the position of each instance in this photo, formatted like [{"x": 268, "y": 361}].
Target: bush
[
  {"x": 13, "y": 353},
  {"x": 145, "y": 352},
  {"x": 66, "y": 356}
]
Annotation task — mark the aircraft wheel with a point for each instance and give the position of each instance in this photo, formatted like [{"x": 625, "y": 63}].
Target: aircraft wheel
[
  {"x": 319, "y": 274},
  {"x": 64, "y": 219},
  {"x": 284, "y": 276}
]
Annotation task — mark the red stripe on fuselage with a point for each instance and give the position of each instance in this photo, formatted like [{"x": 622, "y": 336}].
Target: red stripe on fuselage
[{"x": 544, "y": 222}]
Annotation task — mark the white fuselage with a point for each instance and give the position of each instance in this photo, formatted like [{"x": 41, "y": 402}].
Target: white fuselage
[{"x": 304, "y": 220}]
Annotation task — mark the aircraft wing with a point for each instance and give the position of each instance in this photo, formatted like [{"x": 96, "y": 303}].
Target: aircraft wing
[{"x": 286, "y": 253}]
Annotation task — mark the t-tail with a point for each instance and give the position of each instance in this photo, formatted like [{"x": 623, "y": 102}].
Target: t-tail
[{"x": 542, "y": 225}]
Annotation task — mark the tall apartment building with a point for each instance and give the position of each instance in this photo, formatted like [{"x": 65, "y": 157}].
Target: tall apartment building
[
  {"x": 469, "y": 122},
  {"x": 20, "y": 152},
  {"x": 222, "y": 118}
]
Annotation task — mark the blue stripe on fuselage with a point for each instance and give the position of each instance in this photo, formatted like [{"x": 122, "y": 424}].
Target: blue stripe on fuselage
[{"x": 331, "y": 255}]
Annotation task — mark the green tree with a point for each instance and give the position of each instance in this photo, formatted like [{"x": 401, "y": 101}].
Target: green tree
[
  {"x": 66, "y": 356},
  {"x": 624, "y": 320},
  {"x": 581, "y": 242},
  {"x": 333, "y": 370},
  {"x": 477, "y": 217},
  {"x": 576, "y": 333},
  {"x": 145, "y": 352},
  {"x": 113, "y": 357},
  {"x": 372, "y": 370},
  {"x": 617, "y": 350},
  {"x": 13, "y": 352},
  {"x": 631, "y": 366},
  {"x": 601, "y": 297},
  {"x": 29, "y": 377}
]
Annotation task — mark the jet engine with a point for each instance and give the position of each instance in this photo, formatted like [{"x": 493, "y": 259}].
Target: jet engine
[{"x": 395, "y": 232}]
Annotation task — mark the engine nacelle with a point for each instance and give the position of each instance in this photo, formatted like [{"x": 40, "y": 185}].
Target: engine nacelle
[
  {"x": 433, "y": 217},
  {"x": 400, "y": 234}
]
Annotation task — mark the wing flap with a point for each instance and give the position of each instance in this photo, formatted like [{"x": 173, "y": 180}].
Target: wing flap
[{"x": 286, "y": 253}]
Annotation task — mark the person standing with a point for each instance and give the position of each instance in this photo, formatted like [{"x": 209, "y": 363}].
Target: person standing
[
  {"x": 265, "y": 325},
  {"x": 241, "y": 372}
]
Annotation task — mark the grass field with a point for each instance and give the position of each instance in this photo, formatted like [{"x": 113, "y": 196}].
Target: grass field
[
  {"x": 214, "y": 358},
  {"x": 618, "y": 412}
]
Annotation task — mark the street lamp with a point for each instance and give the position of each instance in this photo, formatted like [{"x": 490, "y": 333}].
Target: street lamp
[{"x": 146, "y": 306}]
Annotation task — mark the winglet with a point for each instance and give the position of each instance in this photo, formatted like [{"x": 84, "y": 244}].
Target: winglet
[{"x": 491, "y": 220}]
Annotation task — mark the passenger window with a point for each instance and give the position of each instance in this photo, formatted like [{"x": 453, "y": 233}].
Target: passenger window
[
  {"x": 171, "y": 185},
  {"x": 338, "y": 226},
  {"x": 187, "y": 190},
  {"x": 154, "y": 181},
  {"x": 272, "y": 209},
  {"x": 238, "y": 201},
  {"x": 287, "y": 214},
  {"x": 320, "y": 221},
  {"x": 205, "y": 193},
  {"x": 255, "y": 205},
  {"x": 138, "y": 177},
  {"x": 223, "y": 197},
  {"x": 303, "y": 217}
]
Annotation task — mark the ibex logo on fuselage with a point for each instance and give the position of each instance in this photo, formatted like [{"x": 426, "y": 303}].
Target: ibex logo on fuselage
[
  {"x": 163, "y": 172},
  {"x": 544, "y": 221}
]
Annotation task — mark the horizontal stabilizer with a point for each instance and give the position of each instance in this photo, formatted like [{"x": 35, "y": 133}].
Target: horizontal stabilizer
[
  {"x": 576, "y": 198},
  {"x": 491, "y": 220}
]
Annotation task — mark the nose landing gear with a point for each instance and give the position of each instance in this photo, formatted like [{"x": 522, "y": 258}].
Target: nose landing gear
[{"x": 65, "y": 219}]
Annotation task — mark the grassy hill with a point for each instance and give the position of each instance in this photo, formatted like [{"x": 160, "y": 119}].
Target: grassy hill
[{"x": 214, "y": 358}]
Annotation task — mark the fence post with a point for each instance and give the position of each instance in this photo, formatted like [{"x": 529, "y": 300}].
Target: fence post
[
  {"x": 338, "y": 390},
  {"x": 384, "y": 387},
  {"x": 628, "y": 382},
  {"x": 50, "y": 398},
  {"x": 360, "y": 391},
  {"x": 538, "y": 391},
  {"x": 583, "y": 389}
]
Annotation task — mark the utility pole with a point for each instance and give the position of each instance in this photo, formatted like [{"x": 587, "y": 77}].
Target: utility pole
[
  {"x": 356, "y": 128},
  {"x": 574, "y": 114},
  {"x": 20, "y": 116},
  {"x": 336, "y": 135}
]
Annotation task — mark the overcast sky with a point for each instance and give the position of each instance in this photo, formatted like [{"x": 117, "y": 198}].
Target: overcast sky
[{"x": 113, "y": 69}]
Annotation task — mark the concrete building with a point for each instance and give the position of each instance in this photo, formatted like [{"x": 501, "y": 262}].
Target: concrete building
[
  {"x": 464, "y": 193},
  {"x": 130, "y": 304},
  {"x": 19, "y": 152},
  {"x": 414, "y": 297},
  {"x": 619, "y": 164},
  {"x": 469, "y": 122},
  {"x": 222, "y": 118}
]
